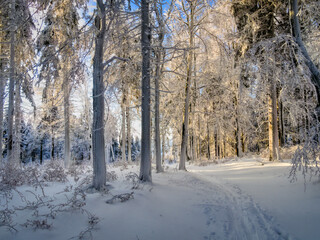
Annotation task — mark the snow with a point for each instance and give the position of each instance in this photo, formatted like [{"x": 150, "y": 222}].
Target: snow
[
  {"x": 295, "y": 210},
  {"x": 237, "y": 199}
]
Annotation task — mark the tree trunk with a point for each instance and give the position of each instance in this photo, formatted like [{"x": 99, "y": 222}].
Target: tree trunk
[
  {"x": 158, "y": 66},
  {"x": 112, "y": 152},
  {"x": 208, "y": 140},
  {"x": 297, "y": 34},
  {"x": 157, "y": 139},
  {"x": 199, "y": 138},
  {"x": 88, "y": 118},
  {"x": 123, "y": 123},
  {"x": 185, "y": 123},
  {"x": 66, "y": 98},
  {"x": 11, "y": 84},
  {"x": 41, "y": 151},
  {"x": 192, "y": 122},
  {"x": 281, "y": 125},
  {"x": 17, "y": 125},
  {"x": 99, "y": 164},
  {"x": 184, "y": 140},
  {"x": 52, "y": 145},
  {"x": 194, "y": 102},
  {"x": 3, "y": 81},
  {"x": 238, "y": 138},
  {"x": 128, "y": 115},
  {"x": 244, "y": 143},
  {"x": 163, "y": 143},
  {"x": 145, "y": 165},
  {"x": 238, "y": 131},
  {"x": 307, "y": 115},
  {"x": 274, "y": 154}
]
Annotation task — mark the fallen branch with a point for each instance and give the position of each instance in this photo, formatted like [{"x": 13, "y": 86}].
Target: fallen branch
[{"x": 120, "y": 198}]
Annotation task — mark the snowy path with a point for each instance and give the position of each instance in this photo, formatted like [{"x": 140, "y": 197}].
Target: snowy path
[
  {"x": 295, "y": 212},
  {"x": 230, "y": 213}
]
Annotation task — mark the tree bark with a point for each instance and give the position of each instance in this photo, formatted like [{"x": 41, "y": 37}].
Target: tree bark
[
  {"x": 3, "y": 81},
  {"x": 163, "y": 143},
  {"x": 208, "y": 140},
  {"x": 88, "y": 118},
  {"x": 41, "y": 151},
  {"x": 238, "y": 131},
  {"x": 66, "y": 98},
  {"x": 158, "y": 58},
  {"x": 52, "y": 144},
  {"x": 281, "y": 125},
  {"x": 145, "y": 165},
  {"x": 199, "y": 138},
  {"x": 17, "y": 124},
  {"x": 274, "y": 154},
  {"x": 128, "y": 120},
  {"x": 185, "y": 123},
  {"x": 238, "y": 137},
  {"x": 11, "y": 84},
  {"x": 123, "y": 122},
  {"x": 99, "y": 164},
  {"x": 159, "y": 167},
  {"x": 193, "y": 112}
]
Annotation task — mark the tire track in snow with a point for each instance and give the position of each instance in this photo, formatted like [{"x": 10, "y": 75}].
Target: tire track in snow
[{"x": 230, "y": 213}]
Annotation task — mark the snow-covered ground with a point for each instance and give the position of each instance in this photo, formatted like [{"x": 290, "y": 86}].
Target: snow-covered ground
[
  {"x": 294, "y": 212},
  {"x": 233, "y": 200}
]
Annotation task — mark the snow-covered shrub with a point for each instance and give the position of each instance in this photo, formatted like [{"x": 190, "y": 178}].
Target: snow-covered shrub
[
  {"x": 134, "y": 179},
  {"x": 54, "y": 172},
  {"x": 6, "y": 219},
  {"x": 76, "y": 171},
  {"x": 307, "y": 158},
  {"x": 11, "y": 175},
  {"x": 111, "y": 176},
  {"x": 38, "y": 224}
]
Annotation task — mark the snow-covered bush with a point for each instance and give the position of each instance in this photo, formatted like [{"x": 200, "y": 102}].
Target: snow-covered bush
[
  {"x": 54, "y": 172},
  {"x": 111, "y": 176},
  {"x": 12, "y": 176},
  {"x": 307, "y": 158},
  {"x": 134, "y": 179}
]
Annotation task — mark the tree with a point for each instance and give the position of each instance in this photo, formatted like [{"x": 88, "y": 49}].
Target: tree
[
  {"x": 11, "y": 82},
  {"x": 298, "y": 37},
  {"x": 58, "y": 42},
  {"x": 4, "y": 48},
  {"x": 99, "y": 164},
  {"x": 190, "y": 14},
  {"x": 159, "y": 62},
  {"x": 145, "y": 165},
  {"x": 15, "y": 28},
  {"x": 191, "y": 8},
  {"x": 265, "y": 29}
]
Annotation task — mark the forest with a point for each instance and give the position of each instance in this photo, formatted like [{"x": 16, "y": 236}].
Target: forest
[{"x": 99, "y": 95}]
